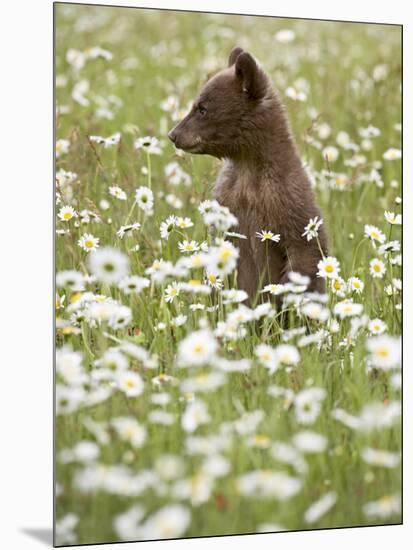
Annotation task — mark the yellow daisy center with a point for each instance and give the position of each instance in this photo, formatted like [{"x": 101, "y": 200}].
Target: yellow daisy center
[
  {"x": 130, "y": 432},
  {"x": 382, "y": 352},
  {"x": 225, "y": 253},
  {"x": 68, "y": 330},
  {"x": 260, "y": 439},
  {"x": 75, "y": 297}
]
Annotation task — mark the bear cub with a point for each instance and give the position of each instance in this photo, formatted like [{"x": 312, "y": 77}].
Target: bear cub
[{"x": 239, "y": 117}]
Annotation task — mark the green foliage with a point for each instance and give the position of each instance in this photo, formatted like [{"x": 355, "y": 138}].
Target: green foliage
[{"x": 350, "y": 75}]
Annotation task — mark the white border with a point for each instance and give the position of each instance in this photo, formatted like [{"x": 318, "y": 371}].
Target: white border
[{"x": 26, "y": 259}]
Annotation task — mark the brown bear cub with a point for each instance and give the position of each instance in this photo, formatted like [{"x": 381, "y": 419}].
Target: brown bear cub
[{"x": 239, "y": 117}]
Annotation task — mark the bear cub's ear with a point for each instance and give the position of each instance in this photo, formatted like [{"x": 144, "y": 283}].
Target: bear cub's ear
[
  {"x": 233, "y": 56},
  {"x": 253, "y": 79}
]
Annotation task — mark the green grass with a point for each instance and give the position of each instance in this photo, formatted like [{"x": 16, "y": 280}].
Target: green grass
[{"x": 175, "y": 53}]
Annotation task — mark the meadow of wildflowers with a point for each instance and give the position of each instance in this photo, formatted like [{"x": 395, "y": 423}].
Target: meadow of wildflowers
[{"x": 182, "y": 409}]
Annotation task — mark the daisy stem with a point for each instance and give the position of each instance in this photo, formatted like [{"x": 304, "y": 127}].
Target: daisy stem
[
  {"x": 390, "y": 271},
  {"x": 319, "y": 247},
  {"x": 148, "y": 161},
  {"x": 85, "y": 342},
  {"x": 128, "y": 217},
  {"x": 355, "y": 255},
  {"x": 361, "y": 199}
]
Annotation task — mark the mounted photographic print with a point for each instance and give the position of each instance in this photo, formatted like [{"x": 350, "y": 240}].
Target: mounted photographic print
[{"x": 228, "y": 274}]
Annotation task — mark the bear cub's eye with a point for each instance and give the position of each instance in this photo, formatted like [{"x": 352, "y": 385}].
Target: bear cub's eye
[{"x": 201, "y": 110}]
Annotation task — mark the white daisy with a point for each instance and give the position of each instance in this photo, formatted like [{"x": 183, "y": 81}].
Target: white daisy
[
  {"x": 128, "y": 429},
  {"x": 106, "y": 142},
  {"x": 223, "y": 259},
  {"x": 377, "y": 326},
  {"x": 386, "y": 506},
  {"x": 319, "y": 508},
  {"x": 328, "y": 268},
  {"x": 377, "y": 268},
  {"x": 117, "y": 192},
  {"x": 379, "y": 457},
  {"x": 268, "y": 236},
  {"x": 287, "y": 354},
  {"x": 71, "y": 279},
  {"x": 198, "y": 348},
  {"x": 330, "y": 153},
  {"x": 127, "y": 524},
  {"x": 108, "y": 264},
  {"x": 120, "y": 317},
  {"x": 133, "y": 284},
  {"x": 234, "y": 296},
  {"x": 167, "y": 227},
  {"x": 315, "y": 311},
  {"x": 285, "y": 36},
  {"x": 392, "y": 218},
  {"x": 184, "y": 223},
  {"x": 171, "y": 292},
  {"x": 149, "y": 144},
  {"x": 307, "y": 405},
  {"x": 274, "y": 288},
  {"x": 385, "y": 351},
  {"x": 188, "y": 246},
  {"x": 130, "y": 383},
  {"x": 392, "y": 154},
  {"x": 311, "y": 229},
  {"x": 347, "y": 308},
  {"x": 66, "y": 213},
  {"x": 88, "y": 242},
  {"x": 374, "y": 234},
  {"x": 214, "y": 281},
  {"x": 354, "y": 284},
  {"x": 267, "y": 356},
  {"x": 196, "y": 413},
  {"x": 268, "y": 484},
  {"x": 168, "y": 522},
  {"x": 310, "y": 442},
  {"x": 127, "y": 229},
  {"x": 62, "y": 147},
  {"x": 388, "y": 248},
  {"x": 144, "y": 198},
  {"x": 338, "y": 287},
  {"x": 295, "y": 95}
]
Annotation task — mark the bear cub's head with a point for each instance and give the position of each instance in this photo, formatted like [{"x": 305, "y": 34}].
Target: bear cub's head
[{"x": 228, "y": 110}]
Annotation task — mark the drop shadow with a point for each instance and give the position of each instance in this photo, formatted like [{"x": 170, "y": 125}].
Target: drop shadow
[{"x": 43, "y": 535}]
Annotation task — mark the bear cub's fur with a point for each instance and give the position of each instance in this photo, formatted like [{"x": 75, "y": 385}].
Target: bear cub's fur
[{"x": 239, "y": 117}]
